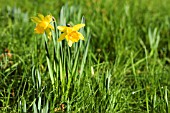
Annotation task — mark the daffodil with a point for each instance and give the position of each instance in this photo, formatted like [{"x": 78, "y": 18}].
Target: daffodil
[
  {"x": 71, "y": 34},
  {"x": 43, "y": 24}
]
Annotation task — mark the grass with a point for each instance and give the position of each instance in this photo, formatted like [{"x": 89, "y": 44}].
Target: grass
[{"x": 122, "y": 66}]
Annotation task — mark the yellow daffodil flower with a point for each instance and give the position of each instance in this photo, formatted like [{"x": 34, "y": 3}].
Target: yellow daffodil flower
[
  {"x": 71, "y": 33},
  {"x": 43, "y": 24}
]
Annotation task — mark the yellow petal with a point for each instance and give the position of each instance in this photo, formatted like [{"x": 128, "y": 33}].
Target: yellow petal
[
  {"x": 69, "y": 29},
  {"x": 78, "y": 26},
  {"x": 44, "y": 24},
  {"x": 67, "y": 38},
  {"x": 74, "y": 36},
  {"x": 39, "y": 29},
  {"x": 50, "y": 26},
  {"x": 48, "y": 18},
  {"x": 35, "y": 19},
  {"x": 80, "y": 36},
  {"x": 62, "y": 28},
  {"x": 48, "y": 33},
  {"x": 41, "y": 16},
  {"x": 70, "y": 43},
  {"x": 62, "y": 36}
]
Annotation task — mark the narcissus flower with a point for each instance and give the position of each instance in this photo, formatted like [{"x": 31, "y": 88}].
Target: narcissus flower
[
  {"x": 43, "y": 24},
  {"x": 71, "y": 33}
]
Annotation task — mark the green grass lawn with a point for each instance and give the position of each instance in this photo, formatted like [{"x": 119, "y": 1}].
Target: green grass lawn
[{"x": 123, "y": 65}]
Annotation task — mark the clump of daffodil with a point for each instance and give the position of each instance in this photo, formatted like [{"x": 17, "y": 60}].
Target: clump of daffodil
[
  {"x": 43, "y": 24},
  {"x": 71, "y": 33}
]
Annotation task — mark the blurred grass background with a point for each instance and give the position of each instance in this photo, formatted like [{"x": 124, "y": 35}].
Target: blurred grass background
[{"x": 129, "y": 46}]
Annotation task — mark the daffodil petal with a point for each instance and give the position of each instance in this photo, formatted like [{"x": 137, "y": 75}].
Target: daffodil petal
[
  {"x": 80, "y": 36},
  {"x": 67, "y": 38},
  {"x": 62, "y": 36},
  {"x": 50, "y": 26},
  {"x": 74, "y": 36},
  {"x": 39, "y": 29},
  {"x": 78, "y": 26},
  {"x": 70, "y": 43},
  {"x": 69, "y": 30},
  {"x": 61, "y": 28},
  {"x": 48, "y": 33},
  {"x": 41, "y": 16},
  {"x": 35, "y": 19},
  {"x": 48, "y": 18},
  {"x": 44, "y": 24}
]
